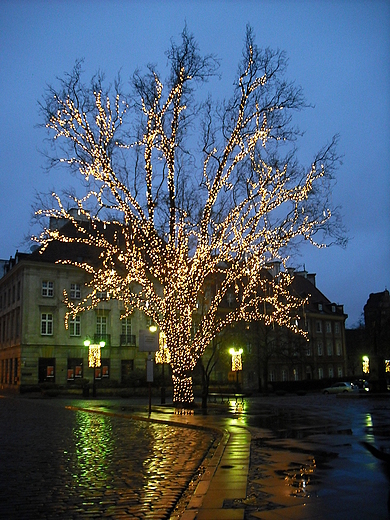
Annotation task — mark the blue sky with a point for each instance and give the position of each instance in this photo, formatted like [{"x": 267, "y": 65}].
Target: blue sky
[{"x": 338, "y": 50}]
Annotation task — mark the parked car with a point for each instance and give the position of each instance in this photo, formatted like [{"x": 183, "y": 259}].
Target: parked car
[
  {"x": 362, "y": 385},
  {"x": 339, "y": 388}
]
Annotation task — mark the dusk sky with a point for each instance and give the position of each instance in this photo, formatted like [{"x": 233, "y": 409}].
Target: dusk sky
[{"x": 338, "y": 50}]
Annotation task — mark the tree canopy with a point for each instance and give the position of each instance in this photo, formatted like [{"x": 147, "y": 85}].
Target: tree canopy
[{"x": 189, "y": 199}]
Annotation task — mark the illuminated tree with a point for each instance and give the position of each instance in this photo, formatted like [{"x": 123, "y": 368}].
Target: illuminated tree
[{"x": 166, "y": 222}]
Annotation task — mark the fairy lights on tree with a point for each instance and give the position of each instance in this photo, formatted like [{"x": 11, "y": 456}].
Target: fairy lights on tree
[{"x": 170, "y": 231}]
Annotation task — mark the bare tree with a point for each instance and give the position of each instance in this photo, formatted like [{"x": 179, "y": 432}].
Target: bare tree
[{"x": 163, "y": 218}]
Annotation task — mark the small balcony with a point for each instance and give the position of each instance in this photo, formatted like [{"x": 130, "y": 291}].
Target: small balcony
[{"x": 127, "y": 340}]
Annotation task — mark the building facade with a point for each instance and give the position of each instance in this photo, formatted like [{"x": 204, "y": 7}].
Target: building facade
[
  {"x": 272, "y": 356},
  {"x": 35, "y": 346}
]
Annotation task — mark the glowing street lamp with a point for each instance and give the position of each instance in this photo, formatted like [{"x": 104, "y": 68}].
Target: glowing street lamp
[
  {"x": 236, "y": 361},
  {"x": 94, "y": 359}
]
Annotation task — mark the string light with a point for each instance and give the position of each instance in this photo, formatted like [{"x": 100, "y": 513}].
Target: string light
[{"x": 180, "y": 279}]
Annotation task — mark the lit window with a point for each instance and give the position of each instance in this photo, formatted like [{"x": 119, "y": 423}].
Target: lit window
[
  {"x": 75, "y": 290},
  {"x": 47, "y": 289},
  {"x": 75, "y": 326},
  {"x": 46, "y": 324}
]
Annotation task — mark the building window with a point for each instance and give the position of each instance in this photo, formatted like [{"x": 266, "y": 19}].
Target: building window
[
  {"x": 126, "y": 326},
  {"x": 320, "y": 373},
  {"x": 320, "y": 306},
  {"x": 75, "y": 368},
  {"x": 338, "y": 348},
  {"x": 308, "y": 351},
  {"x": 75, "y": 326},
  {"x": 48, "y": 289},
  {"x": 337, "y": 328},
  {"x": 284, "y": 374},
  {"x": 319, "y": 348},
  {"x": 272, "y": 375},
  {"x": 340, "y": 372},
  {"x": 17, "y": 325},
  {"x": 330, "y": 371},
  {"x": 75, "y": 291},
  {"x": 101, "y": 325},
  {"x": 46, "y": 370},
  {"x": 103, "y": 372},
  {"x": 329, "y": 348},
  {"x": 18, "y": 291},
  {"x": 296, "y": 374},
  {"x": 46, "y": 324},
  {"x": 328, "y": 326},
  {"x": 127, "y": 338},
  {"x": 318, "y": 326},
  {"x": 149, "y": 321}
]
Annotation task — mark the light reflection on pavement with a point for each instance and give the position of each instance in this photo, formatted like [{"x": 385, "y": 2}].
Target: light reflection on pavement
[{"x": 307, "y": 460}]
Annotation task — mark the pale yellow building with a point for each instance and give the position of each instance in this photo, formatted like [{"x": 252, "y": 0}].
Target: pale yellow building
[{"x": 35, "y": 346}]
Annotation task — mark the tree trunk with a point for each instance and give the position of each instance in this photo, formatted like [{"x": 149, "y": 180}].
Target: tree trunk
[{"x": 183, "y": 394}]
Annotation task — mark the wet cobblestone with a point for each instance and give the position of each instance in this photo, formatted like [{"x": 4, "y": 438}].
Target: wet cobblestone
[{"x": 72, "y": 464}]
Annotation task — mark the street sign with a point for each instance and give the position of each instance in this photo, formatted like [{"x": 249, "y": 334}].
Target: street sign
[{"x": 148, "y": 341}]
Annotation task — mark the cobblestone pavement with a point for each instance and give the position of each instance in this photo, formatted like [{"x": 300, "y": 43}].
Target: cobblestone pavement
[{"x": 71, "y": 464}]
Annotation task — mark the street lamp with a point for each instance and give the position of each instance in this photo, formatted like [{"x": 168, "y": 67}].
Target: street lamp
[
  {"x": 94, "y": 359},
  {"x": 162, "y": 357}
]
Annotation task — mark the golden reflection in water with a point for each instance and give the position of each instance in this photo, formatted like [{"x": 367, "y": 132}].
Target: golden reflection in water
[
  {"x": 300, "y": 478},
  {"x": 93, "y": 445},
  {"x": 236, "y": 407},
  {"x": 369, "y": 428}
]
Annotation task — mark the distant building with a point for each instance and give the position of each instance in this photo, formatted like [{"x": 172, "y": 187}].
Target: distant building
[
  {"x": 377, "y": 328},
  {"x": 272, "y": 356}
]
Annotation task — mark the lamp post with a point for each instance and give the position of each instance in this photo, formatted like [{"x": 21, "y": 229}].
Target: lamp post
[
  {"x": 94, "y": 359},
  {"x": 162, "y": 357}
]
